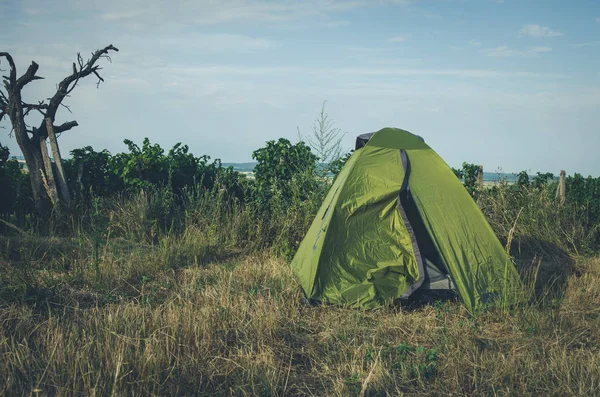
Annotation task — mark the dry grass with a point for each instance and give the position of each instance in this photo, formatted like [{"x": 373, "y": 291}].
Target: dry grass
[{"x": 130, "y": 321}]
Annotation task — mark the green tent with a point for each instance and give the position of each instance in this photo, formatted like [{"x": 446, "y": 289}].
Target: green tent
[{"x": 398, "y": 224}]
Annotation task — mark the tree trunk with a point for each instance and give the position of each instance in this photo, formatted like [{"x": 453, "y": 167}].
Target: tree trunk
[
  {"x": 30, "y": 147},
  {"x": 62, "y": 181},
  {"x": 35, "y": 163},
  {"x": 48, "y": 173},
  {"x": 480, "y": 177},
  {"x": 561, "y": 190}
]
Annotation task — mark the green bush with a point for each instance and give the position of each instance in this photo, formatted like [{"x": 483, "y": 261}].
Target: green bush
[
  {"x": 147, "y": 192},
  {"x": 16, "y": 197},
  {"x": 336, "y": 166},
  {"x": 90, "y": 173},
  {"x": 284, "y": 171},
  {"x": 9, "y": 171}
]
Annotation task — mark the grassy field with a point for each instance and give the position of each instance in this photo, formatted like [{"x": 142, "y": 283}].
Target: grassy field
[
  {"x": 126, "y": 323},
  {"x": 208, "y": 309}
]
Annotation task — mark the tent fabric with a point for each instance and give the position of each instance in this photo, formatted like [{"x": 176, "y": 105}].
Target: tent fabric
[{"x": 395, "y": 221}]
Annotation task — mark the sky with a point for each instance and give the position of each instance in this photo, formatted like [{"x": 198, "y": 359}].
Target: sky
[{"x": 509, "y": 84}]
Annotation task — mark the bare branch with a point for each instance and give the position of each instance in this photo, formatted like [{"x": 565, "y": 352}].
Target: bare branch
[
  {"x": 26, "y": 112},
  {"x": 107, "y": 57},
  {"x": 24, "y": 233},
  {"x": 72, "y": 88},
  {"x": 28, "y": 107},
  {"x": 70, "y": 82},
  {"x": 13, "y": 70},
  {"x": 28, "y": 76},
  {"x": 3, "y": 105},
  {"x": 65, "y": 126},
  {"x": 66, "y": 107},
  {"x": 39, "y": 105},
  {"x": 100, "y": 79}
]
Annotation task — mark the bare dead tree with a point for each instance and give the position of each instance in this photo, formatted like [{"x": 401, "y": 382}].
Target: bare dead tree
[
  {"x": 32, "y": 141},
  {"x": 326, "y": 140}
]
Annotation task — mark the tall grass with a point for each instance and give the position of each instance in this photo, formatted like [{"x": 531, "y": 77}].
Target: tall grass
[
  {"x": 542, "y": 224},
  {"x": 149, "y": 294},
  {"x": 236, "y": 327}
]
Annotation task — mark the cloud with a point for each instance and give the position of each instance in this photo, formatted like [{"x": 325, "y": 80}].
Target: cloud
[
  {"x": 588, "y": 44},
  {"x": 533, "y": 30},
  {"x": 33, "y": 11},
  {"x": 466, "y": 73},
  {"x": 151, "y": 13},
  {"x": 160, "y": 15},
  {"x": 475, "y": 43},
  {"x": 365, "y": 52},
  {"x": 131, "y": 81},
  {"x": 501, "y": 51},
  {"x": 336, "y": 23},
  {"x": 598, "y": 20},
  {"x": 237, "y": 71},
  {"x": 122, "y": 15},
  {"x": 505, "y": 51},
  {"x": 196, "y": 13},
  {"x": 397, "y": 39},
  {"x": 541, "y": 49},
  {"x": 211, "y": 43}
]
